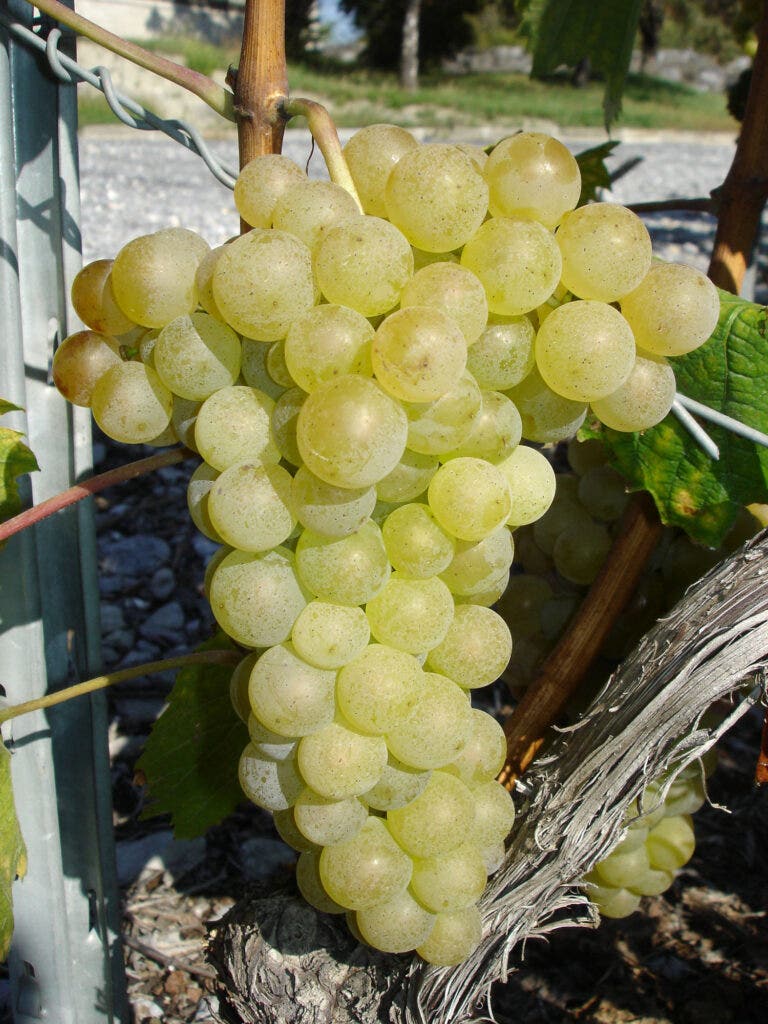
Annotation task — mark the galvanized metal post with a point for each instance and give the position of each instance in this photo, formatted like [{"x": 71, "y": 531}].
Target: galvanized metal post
[{"x": 66, "y": 963}]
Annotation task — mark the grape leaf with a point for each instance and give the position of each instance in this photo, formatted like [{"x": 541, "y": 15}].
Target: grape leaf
[
  {"x": 191, "y": 758},
  {"x": 691, "y": 490},
  {"x": 13, "y": 853},
  {"x": 15, "y": 460},
  {"x": 594, "y": 173},
  {"x": 567, "y": 31}
]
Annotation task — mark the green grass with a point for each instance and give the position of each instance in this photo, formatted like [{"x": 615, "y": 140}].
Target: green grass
[{"x": 357, "y": 97}]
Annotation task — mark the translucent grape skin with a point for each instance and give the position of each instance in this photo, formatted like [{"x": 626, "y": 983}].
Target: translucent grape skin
[
  {"x": 418, "y": 354},
  {"x": 673, "y": 310},
  {"x": 643, "y": 400},
  {"x": 452, "y": 289},
  {"x": 79, "y": 362},
  {"x": 606, "y": 251},
  {"x": 94, "y": 300},
  {"x": 532, "y": 176},
  {"x": 371, "y": 153},
  {"x": 261, "y": 183},
  {"x": 131, "y": 404}
]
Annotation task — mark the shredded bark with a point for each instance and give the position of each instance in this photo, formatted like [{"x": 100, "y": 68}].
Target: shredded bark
[{"x": 281, "y": 962}]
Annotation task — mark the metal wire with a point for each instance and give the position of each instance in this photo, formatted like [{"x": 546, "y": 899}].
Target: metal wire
[{"x": 123, "y": 107}]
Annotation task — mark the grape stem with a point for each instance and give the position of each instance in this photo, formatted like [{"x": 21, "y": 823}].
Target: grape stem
[
  {"x": 111, "y": 679},
  {"x": 325, "y": 135},
  {"x": 92, "y": 485},
  {"x": 565, "y": 668},
  {"x": 261, "y": 81},
  {"x": 217, "y": 97}
]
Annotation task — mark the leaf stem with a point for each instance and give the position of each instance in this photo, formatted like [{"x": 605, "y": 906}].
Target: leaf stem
[
  {"x": 111, "y": 679},
  {"x": 91, "y": 486},
  {"x": 216, "y": 96},
  {"x": 324, "y": 133}
]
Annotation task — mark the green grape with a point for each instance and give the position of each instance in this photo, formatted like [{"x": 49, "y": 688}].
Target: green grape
[
  {"x": 521, "y": 604},
  {"x": 423, "y": 259},
  {"x": 418, "y": 354},
  {"x": 262, "y": 282},
  {"x": 79, "y": 363},
  {"x": 253, "y": 368},
  {"x": 623, "y": 868},
  {"x": 339, "y": 762},
  {"x": 308, "y": 208},
  {"x": 685, "y": 797},
  {"x": 285, "y": 826},
  {"x": 476, "y": 647},
  {"x": 267, "y": 743},
  {"x": 531, "y": 482},
  {"x": 606, "y": 251},
  {"x": 284, "y": 422},
  {"x": 556, "y": 613},
  {"x": 288, "y": 695},
  {"x": 276, "y": 367},
  {"x": 379, "y": 689},
  {"x": 611, "y": 901},
  {"x": 561, "y": 515},
  {"x": 494, "y": 813},
  {"x": 493, "y": 856},
  {"x": 496, "y": 431},
  {"x": 437, "y": 821},
  {"x": 484, "y": 753},
  {"x": 585, "y": 350},
  {"x": 652, "y": 882},
  {"x": 213, "y": 563},
  {"x": 671, "y": 843},
  {"x": 409, "y": 479},
  {"x": 250, "y": 506},
  {"x": 580, "y": 551},
  {"x": 417, "y": 546},
  {"x": 410, "y": 615},
  {"x": 204, "y": 283},
  {"x": 475, "y": 565},
  {"x": 470, "y": 498},
  {"x": 453, "y": 290},
  {"x": 326, "y": 822},
  {"x": 643, "y": 400},
  {"x": 371, "y": 153},
  {"x": 517, "y": 261},
  {"x": 198, "y": 494},
  {"x": 343, "y": 570},
  {"x": 311, "y": 886},
  {"x": 455, "y": 936},
  {"x": 476, "y": 153},
  {"x": 396, "y": 925},
  {"x": 673, "y": 310},
  {"x": 528, "y": 555},
  {"x": 366, "y": 870},
  {"x": 131, "y": 404},
  {"x": 370, "y": 282},
  {"x": 397, "y": 786},
  {"x": 256, "y": 597},
  {"x": 93, "y": 299},
  {"x": 437, "y": 729},
  {"x": 503, "y": 354},
  {"x": 233, "y": 425},
  {"x": 238, "y": 685},
  {"x": 532, "y": 176},
  {"x": 547, "y": 416},
  {"x": 441, "y": 426},
  {"x": 325, "y": 342},
  {"x": 324, "y": 508},
  {"x": 490, "y": 594},
  {"x": 603, "y": 493},
  {"x": 330, "y": 635},
  {"x": 450, "y": 881},
  {"x": 153, "y": 276},
  {"x": 196, "y": 355},
  {"x": 350, "y": 432},
  {"x": 261, "y": 183},
  {"x": 436, "y": 196},
  {"x": 273, "y": 785},
  {"x": 585, "y": 455},
  {"x": 184, "y": 419}
]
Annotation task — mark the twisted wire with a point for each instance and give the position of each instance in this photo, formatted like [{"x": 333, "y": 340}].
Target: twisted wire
[{"x": 127, "y": 110}]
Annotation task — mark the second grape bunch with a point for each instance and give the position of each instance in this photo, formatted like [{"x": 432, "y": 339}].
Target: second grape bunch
[{"x": 357, "y": 385}]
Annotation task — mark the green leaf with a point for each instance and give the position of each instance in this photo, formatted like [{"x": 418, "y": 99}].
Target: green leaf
[
  {"x": 691, "y": 490},
  {"x": 6, "y": 406},
  {"x": 15, "y": 460},
  {"x": 594, "y": 173},
  {"x": 13, "y": 853},
  {"x": 567, "y": 31},
  {"x": 191, "y": 758}
]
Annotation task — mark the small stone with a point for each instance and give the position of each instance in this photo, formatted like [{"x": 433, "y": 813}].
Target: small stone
[
  {"x": 204, "y": 547},
  {"x": 158, "y": 851},
  {"x": 135, "y": 556},
  {"x": 164, "y": 624},
  {"x": 261, "y": 858},
  {"x": 121, "y": 639},
  {"x": 163, "y": 584},
  {"x": 111, "y": 618}
]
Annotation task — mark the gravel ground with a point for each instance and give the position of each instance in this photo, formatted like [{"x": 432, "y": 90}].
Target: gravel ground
[{"x": 152, "y": 559}]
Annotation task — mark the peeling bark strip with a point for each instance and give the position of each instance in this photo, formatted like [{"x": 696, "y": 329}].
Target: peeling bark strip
[{"x": 284, "y": 963}]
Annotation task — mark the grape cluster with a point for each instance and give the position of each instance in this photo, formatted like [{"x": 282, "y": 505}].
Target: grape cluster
[
  {"x": 659, "y": 839},
  {"x": 357, "y": 384}
]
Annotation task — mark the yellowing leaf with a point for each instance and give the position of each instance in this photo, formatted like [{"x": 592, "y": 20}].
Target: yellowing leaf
[{"x": 13, "y": 853}]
